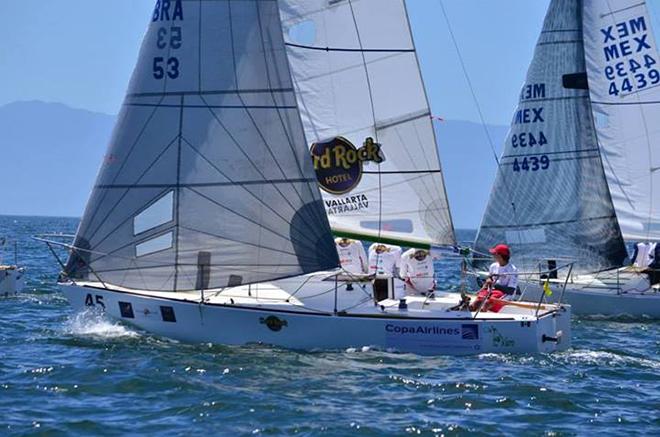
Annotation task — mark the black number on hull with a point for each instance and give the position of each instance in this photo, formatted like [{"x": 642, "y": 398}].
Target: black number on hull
[{"x": 92, "y": 301}]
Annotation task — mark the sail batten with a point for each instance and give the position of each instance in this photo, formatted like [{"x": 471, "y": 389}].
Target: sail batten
[
  {"x": 208, "y": 168},
  {"x": 367, "y": 118},
  {"x": 550, "y": 199}
]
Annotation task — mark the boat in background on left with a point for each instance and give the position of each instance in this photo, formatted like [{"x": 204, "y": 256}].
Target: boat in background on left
[{"x": 11, "y": 276}]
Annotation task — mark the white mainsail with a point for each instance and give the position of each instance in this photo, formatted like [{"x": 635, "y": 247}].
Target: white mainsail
[
  {"x": 208, "y": 180},
  {"x": 624, "y": 82},
  {"x": 367, "y": 118}
]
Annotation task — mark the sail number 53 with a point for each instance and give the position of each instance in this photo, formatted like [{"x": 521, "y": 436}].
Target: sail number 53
[
  {"x": 171, "y": 68},
  {"x": 168, "y": 38}
]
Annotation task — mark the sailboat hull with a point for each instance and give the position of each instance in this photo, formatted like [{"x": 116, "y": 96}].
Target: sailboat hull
[
  {"x": 630, "y": 296},
  {"x": 11, "y": 280},
  {"x": 453, "y": 333}
]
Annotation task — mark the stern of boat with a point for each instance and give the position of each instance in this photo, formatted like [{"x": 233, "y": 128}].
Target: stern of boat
[
  {"x": 12, "y": 280},
  {"x": 554, "y": 328}
]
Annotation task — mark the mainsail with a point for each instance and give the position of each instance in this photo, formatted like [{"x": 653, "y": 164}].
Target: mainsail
[
  {"x": 367, "y": 118},
  {"x": 550, "y": 199},
  {"x": 624, "y": 82},
  {"x": 207, "y": 181}
]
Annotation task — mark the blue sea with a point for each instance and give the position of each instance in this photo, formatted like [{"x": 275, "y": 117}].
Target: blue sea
[{"x": 63, "y": 373}]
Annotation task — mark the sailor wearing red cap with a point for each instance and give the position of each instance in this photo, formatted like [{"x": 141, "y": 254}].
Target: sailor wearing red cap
[
  {"x": 502, "y": 280},
  {"x": 502, "y": 274}
]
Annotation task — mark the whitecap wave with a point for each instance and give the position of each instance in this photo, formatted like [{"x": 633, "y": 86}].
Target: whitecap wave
[
  {"x": 90, "y": 323},
  {"x": 623, "y": 318},
  {"x": 585, "y": 356}
]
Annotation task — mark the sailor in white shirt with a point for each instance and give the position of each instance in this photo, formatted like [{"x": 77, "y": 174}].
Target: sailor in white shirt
[
  {"x": 502, "y": 281},
  {"x": 384, "y": 260},
  {"x": 384, "y": 265},
  {"x": 502, "y": 274},
  {"x": 646, "y": 260},
  {"x": 417, "y": 271},
  {"x": 352, "y": 256},
  {"x": 644, "y": 255}
]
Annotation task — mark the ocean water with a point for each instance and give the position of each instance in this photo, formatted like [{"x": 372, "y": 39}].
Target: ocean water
[{"x": 63, "y": 373}]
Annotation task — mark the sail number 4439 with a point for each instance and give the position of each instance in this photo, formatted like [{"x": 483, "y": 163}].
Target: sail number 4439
[{"x": 532, "y": 163}]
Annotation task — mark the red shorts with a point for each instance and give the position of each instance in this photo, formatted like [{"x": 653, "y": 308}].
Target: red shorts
[{"x": 494, "y": 305}]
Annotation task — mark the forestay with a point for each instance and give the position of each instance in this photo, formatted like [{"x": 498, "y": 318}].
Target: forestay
[
  {"x": 207, "y": 181},
  {"x": 366, "y": 116},
  {"x": 624, "y": 81},
  {"x": 550, "y": 199}
]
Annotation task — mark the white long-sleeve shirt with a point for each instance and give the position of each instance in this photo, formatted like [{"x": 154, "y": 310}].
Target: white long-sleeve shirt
[
  {"x": 645, "y": 255},
  {"x": 353, "y": 258},
  {"x": 384, "y": 263},
  {"x": 419, "y": 274}
]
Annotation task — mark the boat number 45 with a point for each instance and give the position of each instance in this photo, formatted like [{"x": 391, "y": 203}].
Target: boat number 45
[{"x": 93, "y": 301}]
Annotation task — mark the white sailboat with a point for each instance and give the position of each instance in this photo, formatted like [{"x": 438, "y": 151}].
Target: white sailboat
[
  {"x": 12, "y": 277},
  {"x": 580, "y": 171},
  {"x": 206, "y": 223}
]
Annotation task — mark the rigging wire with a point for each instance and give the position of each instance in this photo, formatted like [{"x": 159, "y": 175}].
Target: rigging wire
[
  {"x": 469, "y": 83},
  {"x": 508, "y": 191}
]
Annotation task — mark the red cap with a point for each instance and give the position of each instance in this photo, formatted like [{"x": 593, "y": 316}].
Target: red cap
[{"x": 502, "y": 250}]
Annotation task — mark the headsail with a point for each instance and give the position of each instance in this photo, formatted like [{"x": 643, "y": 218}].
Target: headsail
[
  {"x": 208, "y": 180},
  {"x": 550, "y": 199},
  {"x": 624, "y": 81},
  {"x": 367, "y": 119}
]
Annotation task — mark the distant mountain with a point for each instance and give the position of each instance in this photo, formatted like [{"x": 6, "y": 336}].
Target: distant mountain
[
  {"x": 49, "y": 156},
  {"x": 50, "y": 153}
]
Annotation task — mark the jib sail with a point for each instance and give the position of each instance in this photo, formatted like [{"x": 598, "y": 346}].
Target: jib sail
[{"x": 367, "y": 120}]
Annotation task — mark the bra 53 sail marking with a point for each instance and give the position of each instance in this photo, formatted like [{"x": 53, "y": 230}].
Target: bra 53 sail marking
[{"x": 168, "y": 10}]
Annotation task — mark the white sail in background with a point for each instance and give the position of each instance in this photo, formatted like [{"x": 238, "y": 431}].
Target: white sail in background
[
  {"x": 367, "y": 119},
  {"x": 207, "y": 181},
  {"x": 550, "y": 199},
  {"x": 624, "y": 81}
]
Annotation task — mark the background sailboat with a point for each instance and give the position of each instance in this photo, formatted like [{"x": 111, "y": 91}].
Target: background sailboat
[
  {"x": 578, "y": 164},
  {"x": 12, "y": 277}
]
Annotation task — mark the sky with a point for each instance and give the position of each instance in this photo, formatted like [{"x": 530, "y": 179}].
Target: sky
[{"x": 81, "y": 52}]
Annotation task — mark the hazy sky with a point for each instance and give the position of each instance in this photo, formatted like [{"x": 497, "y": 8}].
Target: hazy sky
[{"x": 81, "y": 52}]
